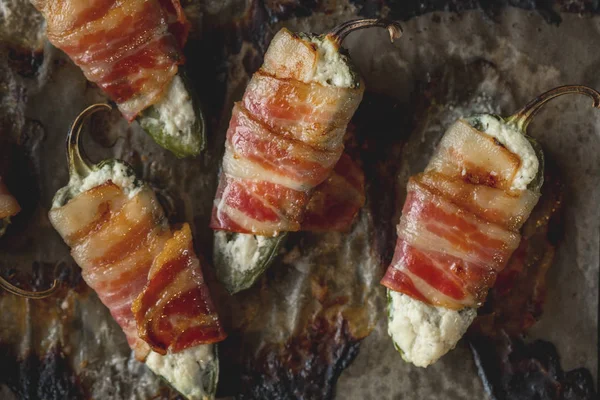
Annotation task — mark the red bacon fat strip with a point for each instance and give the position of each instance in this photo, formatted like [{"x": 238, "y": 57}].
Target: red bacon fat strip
[
  {"x": 8, "y": 204},
  {"x": 284, "y": 139},
  {"x": 336, "y": 202},
  {"x": 460, "y": 222},
  {"x": 175, "y": 311},
  {"x": 121, "y": 244},
  {"x": 130, "y": 48}
]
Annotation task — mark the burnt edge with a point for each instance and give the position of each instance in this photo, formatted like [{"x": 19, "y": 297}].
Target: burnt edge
[{"x": 48, "y": 376}]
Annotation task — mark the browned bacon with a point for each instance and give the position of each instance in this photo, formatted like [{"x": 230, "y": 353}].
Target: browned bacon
[
  {"x": 8, "y": 204},
  {"x": 460, "y": 221},
  {"x": 131, "y": 49},
  {"x": 175, "y": 311},
  {"x": 119, "y": 243},
  {"x": 284, "y": 139},
  {"x": 336, "y": 202}
]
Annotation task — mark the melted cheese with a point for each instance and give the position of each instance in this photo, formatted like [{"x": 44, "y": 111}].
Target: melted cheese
[
  {"x": 176, "y": 113},
  {"x": 423, "y": 333},
  {"x": 332, "y": 68},
  {"x": 192, "y": 372},
  {"x": 119, "y": 173},
  {"x": 242, "y": 251},
  {"x": 514, "y": 140}
]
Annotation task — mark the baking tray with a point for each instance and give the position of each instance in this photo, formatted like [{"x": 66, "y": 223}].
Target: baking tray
[{"x": 314, "y": 326}]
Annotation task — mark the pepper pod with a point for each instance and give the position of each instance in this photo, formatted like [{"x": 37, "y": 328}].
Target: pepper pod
[
  {"x": 176, "y": 122},
  {"x": 460, "y": 225},
  {"x": 28, "y": 294},
  {"x": 9, "y": 207},
  {"x": 145, "y": 272},
  {"x": 138, "y": 65},
  {"x": 284, "y": 140}
]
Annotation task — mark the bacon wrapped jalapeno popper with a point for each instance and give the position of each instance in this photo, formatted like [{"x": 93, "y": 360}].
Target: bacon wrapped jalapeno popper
[
  {"x": 9, "y": 207},
  {"x": 284, "y": 139},
  {"x": 146, "y": 274},
  {"x": 132, "y": 50},
  {"x": 460, "y": 225}
]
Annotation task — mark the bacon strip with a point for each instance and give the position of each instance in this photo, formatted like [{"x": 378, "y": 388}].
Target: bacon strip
[
  {"x": 284, "y": 139},
  {"x": 490, "y": 203},
  {"x": 336, "y": 202},
  {"x": 175, "y": 311},
  {"x": 116, "y": 240},
  {"x": 476, "y": 158},
  {"x": 130, "y": 49},
  {"x": 308, "y": 112},
  {"x": 8, "y": 204},
  {"x": 460, "y": 222}
]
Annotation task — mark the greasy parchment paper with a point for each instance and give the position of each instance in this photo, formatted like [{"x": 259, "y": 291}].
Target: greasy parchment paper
[{"x": 85, "y": 354}]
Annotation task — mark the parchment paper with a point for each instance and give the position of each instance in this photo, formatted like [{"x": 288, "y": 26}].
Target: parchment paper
[
  {"x": 530, "y": 57},
  {"x": 526, "y": 56}
]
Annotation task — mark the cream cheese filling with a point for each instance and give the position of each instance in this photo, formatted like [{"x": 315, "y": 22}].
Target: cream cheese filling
[
  {"x": 193, "y": 372},
  {"x": 423, "y": 333},
  {"x": 176, "y": 113},
  {"x": 117, "y": 172},
  {"x": 514, "y": 140},
  {"x": 332, "y": 67}
]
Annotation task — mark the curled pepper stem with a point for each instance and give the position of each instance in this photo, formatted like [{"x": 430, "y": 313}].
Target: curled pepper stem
[
  {"x": 79, "y": 163},
  {"x": 340, "y": 32},
  {"x": 10, "y": 288},
  {"x": 525, "y": 115}
]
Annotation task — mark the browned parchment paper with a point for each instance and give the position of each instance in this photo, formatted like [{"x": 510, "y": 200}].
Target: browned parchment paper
[{"x": 515, "y": 57}]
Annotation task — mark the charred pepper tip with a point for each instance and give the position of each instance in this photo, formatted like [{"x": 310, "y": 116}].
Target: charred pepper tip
[
  {"x": 525, "y": 115},
  {"x": 340, "y": 32},
  {"x": 79, "y": 164}
]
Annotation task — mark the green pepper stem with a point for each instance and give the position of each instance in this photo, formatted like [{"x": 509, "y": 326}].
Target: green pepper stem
[
  {"x": 524, "y": 116},
  {"x": 10, "y": 288},
  {"x": 340, "y": 32},
  {"x": 79, "y": 163}
]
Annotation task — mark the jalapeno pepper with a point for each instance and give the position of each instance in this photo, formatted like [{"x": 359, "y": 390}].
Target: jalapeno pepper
[
  {"x": 284, "y": 139},
  {"x": 147, "y": 274},
  {"x": 132, "y": 51},
  {"x": 9, "y": 207},
  {"x": 460, "y": 225}
]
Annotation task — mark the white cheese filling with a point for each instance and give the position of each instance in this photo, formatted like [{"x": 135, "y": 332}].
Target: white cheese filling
[
  {"x": 193, "y": 372},
  {"x": 115, "y": 171},
  {"x": 423, "y": 333},
  {"x": 241, "y": 252},
  {"x": 118, "y": 173},
  {"x": 176, "y": 112},
  {"x": 514, "y": 140},
  {"x": 333, "y": 68}
]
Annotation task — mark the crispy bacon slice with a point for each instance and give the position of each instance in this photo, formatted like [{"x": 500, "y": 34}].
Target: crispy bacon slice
[
  {"x": 336, "y": 202},
  {"x": 474, "y": 157},
  {"x": 492, "y": 204},
  {"x": 8, "y": 204},
  {"x": 116, "y": 240},
  {"x": 284, "y": 139},
  {"x": 175, "y": 311},
  {"x": 131, "y": 49},
  {"x": 260, "y": 207},
  {"x": 309, "y": 112},
  {"x": 253, "y": 152},
  {"x": 460, "y": 222}
]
